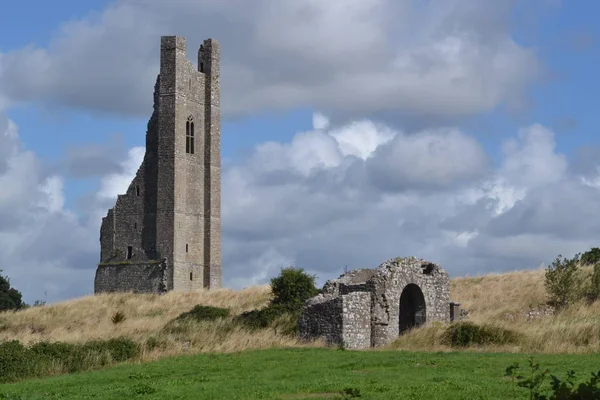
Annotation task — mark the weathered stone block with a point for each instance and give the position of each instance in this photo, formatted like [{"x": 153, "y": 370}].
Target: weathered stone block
[{"x": 371, "y": 307}]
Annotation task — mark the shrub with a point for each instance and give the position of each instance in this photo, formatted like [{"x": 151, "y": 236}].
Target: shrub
[
  {"x": 559, "y": 390},
  {"x": 153, "y": 342},
  {"x": 10, "y": 298},
  {"x": 13, "y": 361},
  {"x": 464, "y": 334},
  {"x": 563, "y": 281},
  {"x": 292, "y": 288},
  {"x": 591, "y": 256},
  {"x": 44, "y": 358},
  {"x": 118, "y": 317},
  {"x": 119, "y": 349},
  {"x": 263, "y": 318},
  {"x": 203, "y": 313},
  {"x": 594, "y": 293}
]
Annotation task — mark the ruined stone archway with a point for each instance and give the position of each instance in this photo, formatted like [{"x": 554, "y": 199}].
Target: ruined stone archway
[{"x": 412, "y": 308}]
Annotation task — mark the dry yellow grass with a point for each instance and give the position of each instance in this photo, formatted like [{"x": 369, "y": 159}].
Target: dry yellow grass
[
  {"x": 501, "y": 300},
  {"x": 89, "y": 318}
]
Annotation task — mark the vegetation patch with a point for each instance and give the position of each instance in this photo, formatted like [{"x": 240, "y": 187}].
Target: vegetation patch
[
  {"x": 203, "y": 313},
  {"x": 308, "y": 374},
  {"x": 536, "y": 382},
  {"x": 290, "y": 290},
  {"x": 45, "y": 358},
  {"x": 465, "y": 334}
]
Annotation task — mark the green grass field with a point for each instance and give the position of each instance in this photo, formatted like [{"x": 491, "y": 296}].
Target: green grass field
[{"x": 304, "y": 374}]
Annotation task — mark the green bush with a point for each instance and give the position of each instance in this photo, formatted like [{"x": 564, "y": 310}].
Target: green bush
[
  {"x": 464, "y": 334},
  {"x": 591, "y": 256},
  {"x": 19, "y": 362},
  {"x": 203, "y": 313},
  {"x": 119, "y": 349},
  {"x": 153, "y": 343},
  {"x": 292, "y": 288},
  {"x": 263, "y": 318},
  {"x": 594, "y": 291},
  {"x": 118, "y": 317},
  {"x": 534, "y": 381},
  {"x": 10, "y": 298},
  {"x": 13, "y": 361},
  {"x": 563, "y": 281}
]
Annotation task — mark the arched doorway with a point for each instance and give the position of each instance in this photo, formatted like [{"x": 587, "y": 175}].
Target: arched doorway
[{"x": 412, "y": 307}]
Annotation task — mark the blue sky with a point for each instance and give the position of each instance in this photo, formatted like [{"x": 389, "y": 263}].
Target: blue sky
[{"x": 508, "y": 91}]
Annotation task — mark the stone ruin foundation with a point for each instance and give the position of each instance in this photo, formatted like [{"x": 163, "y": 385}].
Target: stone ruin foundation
[{"x": 371, "y": 307}]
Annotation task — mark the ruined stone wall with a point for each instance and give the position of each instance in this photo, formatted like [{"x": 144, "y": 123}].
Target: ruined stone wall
[
  {"x": 323, "y": 320},
  {"x": 356, "y": 322},
  {"x": 377, "y": 322},
  {"x": 344, "y": 319},
  {"x": 389, "y": 282},
  {"x": 196, "y": 216},
  {"x": 209, "y": 59},
  {"x": 148, "y": 277},
  {"x": 171, "y": 209},
  {"x": 132, "y": 221}
]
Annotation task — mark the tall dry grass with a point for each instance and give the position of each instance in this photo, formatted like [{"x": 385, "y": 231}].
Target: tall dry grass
[
  {"x": 90, "y": 318},
  {"x": 503, "y": 300},
  {"x": 499, "y": 299}
]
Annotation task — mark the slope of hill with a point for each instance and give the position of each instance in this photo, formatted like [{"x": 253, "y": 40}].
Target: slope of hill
[{"x": 502, "y": 300}]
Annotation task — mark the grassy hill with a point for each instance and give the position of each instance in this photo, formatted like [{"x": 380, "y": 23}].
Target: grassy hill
[
  {"x": 500, "y": 300},
  {"x": 503, "y": 300}
]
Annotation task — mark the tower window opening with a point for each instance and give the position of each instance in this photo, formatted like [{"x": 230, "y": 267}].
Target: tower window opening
[
  {"x": 191, "y": 276},
  {"x": 189, "y": 136},
  {"x": 137, "y": 190},
  {"x": 186, "y": 247},
  {"x": 201, "y": 67},
  {"x": 129, "y": 252}
]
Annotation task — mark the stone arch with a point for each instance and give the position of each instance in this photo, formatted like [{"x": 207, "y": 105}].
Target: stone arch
[{"x": 412, "y": 308}]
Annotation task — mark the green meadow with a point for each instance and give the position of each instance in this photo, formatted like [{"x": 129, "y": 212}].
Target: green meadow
[{"x": 305, "y": 373}]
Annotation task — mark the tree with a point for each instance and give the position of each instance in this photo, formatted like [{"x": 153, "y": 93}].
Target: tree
[
  {"x": 10, "y": 298},
  {"x": 292, "y": 288},
  {"x": 591, "y": 256},
  {"x": 563, "y": 281}
]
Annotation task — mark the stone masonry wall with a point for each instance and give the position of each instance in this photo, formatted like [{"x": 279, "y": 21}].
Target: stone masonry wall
[
  {"x": 388, "y": 283},
  {"x": 356, "y": 323},
  {"x": 323, "y": 320},
  {"x": 134, "y": 277},
  {"x": 378, "y": 321},
  {"x": 171, "y": 209}
]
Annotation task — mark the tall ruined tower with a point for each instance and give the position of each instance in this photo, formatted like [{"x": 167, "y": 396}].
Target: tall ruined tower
[{"x": 165, "y": 232}]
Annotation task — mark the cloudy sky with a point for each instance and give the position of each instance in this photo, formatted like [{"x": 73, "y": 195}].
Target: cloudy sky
[{"x": 463, "y": 132}]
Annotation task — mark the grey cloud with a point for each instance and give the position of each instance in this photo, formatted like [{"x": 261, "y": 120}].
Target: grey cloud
[
  {"x": 427, "y": 160},
  {"x": 325, "y": 219},
  {"x": 563, "y": 210},
  {"x": 461, "y": 226},
  {"x": 470, "y": 217},
  {"x": 93, "y": 160},
  {"x": 586, "y": 161},
  {"x": 355, "y": 58}
]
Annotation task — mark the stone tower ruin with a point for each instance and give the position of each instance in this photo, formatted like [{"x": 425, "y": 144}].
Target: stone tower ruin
[{"x": 164, "y": 233}]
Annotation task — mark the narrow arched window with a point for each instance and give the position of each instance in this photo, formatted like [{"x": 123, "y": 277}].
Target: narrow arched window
[{"x": 189, "y": 136}]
